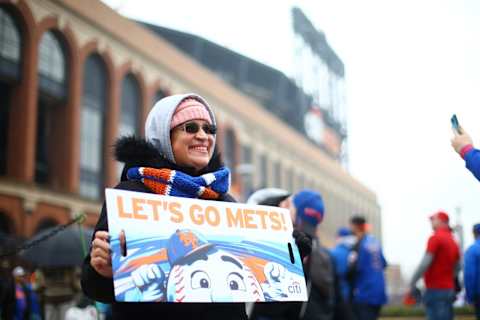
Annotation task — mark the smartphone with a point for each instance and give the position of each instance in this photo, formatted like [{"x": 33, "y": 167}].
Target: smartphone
[{"x": 455, "y": 124}]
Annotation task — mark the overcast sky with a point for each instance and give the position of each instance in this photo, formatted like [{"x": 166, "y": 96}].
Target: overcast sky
[{"x": 409, "y": 65}]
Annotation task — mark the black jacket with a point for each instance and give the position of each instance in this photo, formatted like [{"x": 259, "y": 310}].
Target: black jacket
[{"x": 138, "y": 152}]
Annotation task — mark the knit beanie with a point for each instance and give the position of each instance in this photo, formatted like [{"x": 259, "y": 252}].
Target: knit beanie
[
  {"x": 268, "y": 197},
  {"x": 159, "y": 120},
  {"x": 190, "y": 109},
  {"x": 310, "y": 210}
]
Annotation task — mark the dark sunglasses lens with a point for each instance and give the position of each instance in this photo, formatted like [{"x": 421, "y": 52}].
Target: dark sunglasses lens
[
  {"x": 192, "y": 127},
  {"x": 210, "y": 129}
]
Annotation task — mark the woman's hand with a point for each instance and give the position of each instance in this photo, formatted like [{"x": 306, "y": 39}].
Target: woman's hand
[
  {"x": 100, "y": 256},
  {"x": 460, "y": 141}
]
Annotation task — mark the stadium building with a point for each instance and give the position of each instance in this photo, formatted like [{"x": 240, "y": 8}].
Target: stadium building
[{"x": 76, "y": 75}]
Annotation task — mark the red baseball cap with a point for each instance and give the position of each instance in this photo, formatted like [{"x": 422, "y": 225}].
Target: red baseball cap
[{"x": 440, "y": 215}]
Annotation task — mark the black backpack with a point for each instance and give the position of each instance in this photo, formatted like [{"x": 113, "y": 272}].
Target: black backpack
[{"x": 321, "y": 271}]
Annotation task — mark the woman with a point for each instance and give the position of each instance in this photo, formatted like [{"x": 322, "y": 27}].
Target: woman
[{"x": 180, "y": 134}]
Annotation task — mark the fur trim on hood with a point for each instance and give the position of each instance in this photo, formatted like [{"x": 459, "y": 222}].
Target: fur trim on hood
[{"x": 138, "y": 152}]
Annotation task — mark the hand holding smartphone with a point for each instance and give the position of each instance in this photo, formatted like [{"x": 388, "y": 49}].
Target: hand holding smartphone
[{"x": 455, "y": 125}]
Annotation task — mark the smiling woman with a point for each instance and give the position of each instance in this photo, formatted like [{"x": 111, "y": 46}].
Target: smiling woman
[
  {"x": 193, "y": 149},
  {"x": 176, "y": 158},
  {"x": 193, "y": 134}
]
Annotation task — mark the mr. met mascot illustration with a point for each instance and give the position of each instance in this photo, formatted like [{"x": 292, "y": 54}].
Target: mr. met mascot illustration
[{"x": 201, "y": 272}]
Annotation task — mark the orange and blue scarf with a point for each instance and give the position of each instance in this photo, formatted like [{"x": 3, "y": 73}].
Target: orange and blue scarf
[{"x": 209, "y": 186}]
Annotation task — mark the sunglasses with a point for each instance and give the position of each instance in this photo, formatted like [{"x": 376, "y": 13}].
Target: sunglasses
[{"x": 193, "y": 127}]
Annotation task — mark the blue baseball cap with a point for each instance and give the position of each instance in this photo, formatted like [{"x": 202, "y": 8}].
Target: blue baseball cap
[
  {"x": 310, "y": 209},
  {"x": 185, "y": 243},
  {"x": 476, "y": 228}
]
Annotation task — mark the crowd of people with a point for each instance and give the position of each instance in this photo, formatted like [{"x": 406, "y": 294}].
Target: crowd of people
[
  {"x": 344, "y": 282},
  {"x": 45, "y": 293}
]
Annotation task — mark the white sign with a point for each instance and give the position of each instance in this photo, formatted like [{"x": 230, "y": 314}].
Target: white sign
[{"x": 190, "y": 250}]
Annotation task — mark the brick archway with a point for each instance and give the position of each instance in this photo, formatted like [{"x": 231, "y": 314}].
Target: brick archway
[
  {"x": 66, "y": 124},
  {"x": 122, "y": 72},
  {"x": 20, "y": 157},
  {"x": 112, "y": 107}
]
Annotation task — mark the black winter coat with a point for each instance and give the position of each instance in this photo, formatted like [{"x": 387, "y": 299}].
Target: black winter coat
[{"x": 138, "y": 152}]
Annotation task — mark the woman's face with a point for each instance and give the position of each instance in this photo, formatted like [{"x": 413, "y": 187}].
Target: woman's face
[{"x": 192, "y": 149}]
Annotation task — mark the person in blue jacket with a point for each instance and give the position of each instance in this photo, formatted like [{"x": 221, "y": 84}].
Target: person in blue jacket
[
  {"x": 471, "y": 271},
  {"x": 367, "y": 265},
  {"x": 340, "y": 253},
  {"x": 463, "y": 145}
]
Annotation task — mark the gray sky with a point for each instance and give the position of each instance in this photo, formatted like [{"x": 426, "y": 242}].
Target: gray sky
[{"x": 409, "y": 65}]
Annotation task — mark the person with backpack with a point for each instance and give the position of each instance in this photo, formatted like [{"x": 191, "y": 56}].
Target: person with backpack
[
  {"x": 366, "y": 272},
  {"x": 308, "y": 210}
]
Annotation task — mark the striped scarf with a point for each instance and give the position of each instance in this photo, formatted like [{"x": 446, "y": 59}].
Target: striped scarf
[{"x": 175, "y": 183}]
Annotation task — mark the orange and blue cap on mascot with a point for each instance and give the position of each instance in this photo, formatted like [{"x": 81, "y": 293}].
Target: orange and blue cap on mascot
[{"x": 184, "y": 244}]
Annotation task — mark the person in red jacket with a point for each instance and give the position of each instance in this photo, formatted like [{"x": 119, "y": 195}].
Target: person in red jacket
[{"x": 439, "y": 267}]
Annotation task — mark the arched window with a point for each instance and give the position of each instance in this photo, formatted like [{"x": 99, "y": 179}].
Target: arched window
[
  {"x": 247, "y": 171},
  {"x": 51, "y": 95},
  {"x": 52, "y": 66},
  {"x": 263, "y": 171},
  {"x": 94, "y": 100},
  {"x": 5, "y": 92},
  {"x": 10, "y": 56},
  {"x": 277, "y": 175},
  {"x": 230, "y": 152},
  {"x": 289, "y": 180},
  {"x": 5, "y": 224},
  {"x": 10, "y": 44},
  {"x": 130, "y": 106}
]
